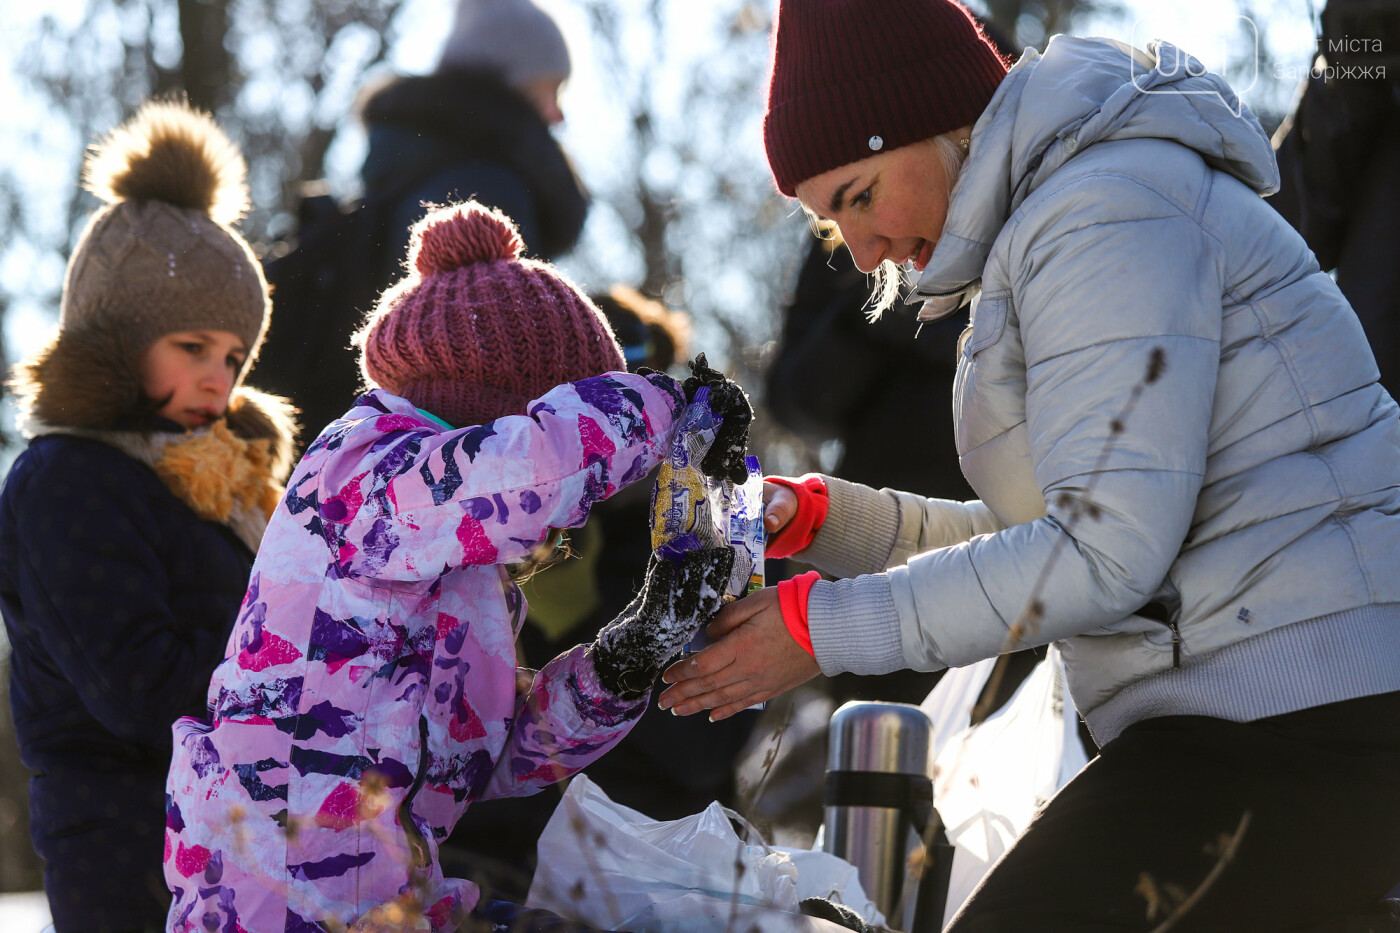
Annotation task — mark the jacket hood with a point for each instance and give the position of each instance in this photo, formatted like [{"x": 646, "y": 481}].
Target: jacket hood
[
  {"x": 1054, "y": 106},
  {"x": 86, "y": 382},
  {"x": 471, "y": 115}
]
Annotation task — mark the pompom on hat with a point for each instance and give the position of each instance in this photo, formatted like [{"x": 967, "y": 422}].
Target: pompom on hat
[
  {"x": 851, "y": 78},
  {"x": 475, "y": 331}
]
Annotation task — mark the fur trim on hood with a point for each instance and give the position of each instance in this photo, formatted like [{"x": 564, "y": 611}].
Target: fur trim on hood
[
  {"x": 84, "y": 384},
  {"x": 88, "y": 379},
  {"x": 478, "y": 116}
]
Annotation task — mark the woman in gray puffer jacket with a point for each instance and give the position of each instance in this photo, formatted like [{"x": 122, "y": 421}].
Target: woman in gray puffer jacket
[{"x": 1189, "y": 475}]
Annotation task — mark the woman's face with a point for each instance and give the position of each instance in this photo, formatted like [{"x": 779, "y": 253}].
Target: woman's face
[
  {"x": 890, "y": 205},
  {"x": 194, "y": 372}
]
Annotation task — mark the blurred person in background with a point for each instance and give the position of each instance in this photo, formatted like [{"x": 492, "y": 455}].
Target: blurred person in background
[
  {"x": 1339, "y": 166},
  {"x": 477, "y": 127}
]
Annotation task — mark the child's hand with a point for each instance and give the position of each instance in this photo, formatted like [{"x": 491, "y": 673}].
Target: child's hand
[
  {"x": 674, "y": 602},
  {"x": 725, "y": 458}
]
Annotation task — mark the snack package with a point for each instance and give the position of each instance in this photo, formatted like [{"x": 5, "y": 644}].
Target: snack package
[{"x": 691, "y": 510}]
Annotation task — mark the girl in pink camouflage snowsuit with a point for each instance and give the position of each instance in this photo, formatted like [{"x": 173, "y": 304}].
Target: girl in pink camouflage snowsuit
[{"x": 369, "y": 691}]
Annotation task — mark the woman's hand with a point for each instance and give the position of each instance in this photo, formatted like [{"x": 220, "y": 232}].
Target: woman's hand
[
  {"x": 779, "y": 507},
  {"x": 754, "y": 660}
]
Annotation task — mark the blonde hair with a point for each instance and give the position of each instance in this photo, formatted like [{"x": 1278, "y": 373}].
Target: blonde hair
[
  {"x": 890, "y": 277},
  {"x": 554, "y": 549}
]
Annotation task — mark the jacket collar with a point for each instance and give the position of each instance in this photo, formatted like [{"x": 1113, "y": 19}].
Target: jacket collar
[
  {"x": 230, "y": 472},
  {"x": 465, "y": 115},
  {"x": 221, "y": 477}
]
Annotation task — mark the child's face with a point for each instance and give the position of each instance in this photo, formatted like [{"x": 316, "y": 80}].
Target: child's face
[{"x": 193, "y": 372}]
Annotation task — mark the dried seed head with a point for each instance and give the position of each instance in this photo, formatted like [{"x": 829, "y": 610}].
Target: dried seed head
[{"x": 1156, "y": 365}]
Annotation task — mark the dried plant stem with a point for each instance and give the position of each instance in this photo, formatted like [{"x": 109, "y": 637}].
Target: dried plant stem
[
  {"x": 770, "y": 759},
  {"x": 1227, "y": 855},
  {"x": 586, "y": 847},
  {"x": 920, "y": 862},
  {"x": 1031, "y": 614},
  {"x": 1076, "y": 508}
]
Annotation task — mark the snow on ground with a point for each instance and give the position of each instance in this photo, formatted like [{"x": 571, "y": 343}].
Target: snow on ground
[{"x": 24, "y": 913}]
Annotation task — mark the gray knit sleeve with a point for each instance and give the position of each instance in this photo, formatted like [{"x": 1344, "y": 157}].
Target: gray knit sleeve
[{"x": 854, "y": 626}]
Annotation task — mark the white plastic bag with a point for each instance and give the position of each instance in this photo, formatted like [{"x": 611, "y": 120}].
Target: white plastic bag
[
  {"x": 821, "y": 874},
  {"x": 990, "y": 779},
  {"x": 613, "y": 868}
]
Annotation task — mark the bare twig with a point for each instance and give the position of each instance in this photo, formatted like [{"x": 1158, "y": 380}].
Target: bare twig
[
  {"x": 1076, "y": 508},
  {"x": 1228, "y": 849},
  {"x": 770, "y": 759}
]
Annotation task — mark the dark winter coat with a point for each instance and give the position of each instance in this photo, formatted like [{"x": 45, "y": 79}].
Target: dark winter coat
[
  {"x": 884, "y": 392},
  {"x": 118, "y": 599},
  {"x": 468, "y": 134},
  {"x": 433, "y": 138},
  {"x": 1339, "y": 168}
]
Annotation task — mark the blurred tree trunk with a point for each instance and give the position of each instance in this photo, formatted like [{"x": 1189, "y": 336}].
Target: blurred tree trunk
[{"x": 206, "y": 68}]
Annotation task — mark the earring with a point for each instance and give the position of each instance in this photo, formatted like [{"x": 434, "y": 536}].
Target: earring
[{"x": 964, "y": 144}]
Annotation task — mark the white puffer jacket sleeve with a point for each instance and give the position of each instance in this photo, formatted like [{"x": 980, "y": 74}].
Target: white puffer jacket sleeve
[{"x": 1108, "y": 274}]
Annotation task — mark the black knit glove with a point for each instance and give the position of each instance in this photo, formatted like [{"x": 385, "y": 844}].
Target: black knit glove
[
  {"x": 839, "y": 914},
  {"x": 725, "y": 459},
  {"x": 672, "y": 605}
]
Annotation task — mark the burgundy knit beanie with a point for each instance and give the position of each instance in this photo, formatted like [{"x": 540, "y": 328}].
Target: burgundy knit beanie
[
  {"x": 854, "y": 77},
  {"x": 475, "y": 331}
]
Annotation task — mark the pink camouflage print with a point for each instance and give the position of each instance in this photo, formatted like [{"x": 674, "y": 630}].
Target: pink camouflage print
[{"x": 368, "y": 693}]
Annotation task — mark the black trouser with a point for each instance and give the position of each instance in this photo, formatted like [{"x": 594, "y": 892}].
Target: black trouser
[
  {"x": 507, "y": 917},
  {"x": 1143, "y": 822}
]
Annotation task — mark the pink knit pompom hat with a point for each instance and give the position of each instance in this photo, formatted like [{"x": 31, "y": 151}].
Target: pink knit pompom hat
[{"x": 474, "y": 331}]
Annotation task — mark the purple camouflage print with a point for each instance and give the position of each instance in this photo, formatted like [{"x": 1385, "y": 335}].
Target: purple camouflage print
[{"x": 368, "y": 693}]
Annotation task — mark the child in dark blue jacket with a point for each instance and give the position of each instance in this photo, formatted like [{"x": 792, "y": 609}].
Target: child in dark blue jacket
[{"x": 128, "y": 525}]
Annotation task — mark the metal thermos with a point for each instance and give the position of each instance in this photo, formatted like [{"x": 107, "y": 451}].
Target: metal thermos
[{"x": 879, "y": 801}]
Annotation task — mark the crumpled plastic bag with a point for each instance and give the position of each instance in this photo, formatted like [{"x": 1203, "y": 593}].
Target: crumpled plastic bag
[
  {"x": 990, "y": 779},
  {"x": 612, "y": 867}
]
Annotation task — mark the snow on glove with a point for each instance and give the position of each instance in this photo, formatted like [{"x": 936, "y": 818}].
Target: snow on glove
[
  {"x": 675, "y": 600},
  {"x": 725, "y": 458}
]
